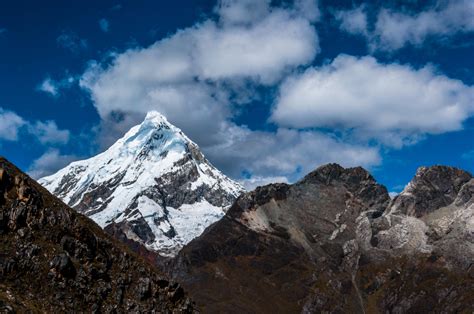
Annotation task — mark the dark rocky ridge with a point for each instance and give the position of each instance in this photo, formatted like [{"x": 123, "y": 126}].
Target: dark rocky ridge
[
  {"x": 53, "y": 259},
  {"x": 334, "y": 242}
]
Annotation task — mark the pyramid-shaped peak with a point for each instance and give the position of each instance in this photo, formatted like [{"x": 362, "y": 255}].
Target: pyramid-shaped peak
[
  {"x": 334, "y": 171},
  {"x": 154, "y": 179},
  {"x": 153, "y": 121},
  {"x": 155, "y": 116}
]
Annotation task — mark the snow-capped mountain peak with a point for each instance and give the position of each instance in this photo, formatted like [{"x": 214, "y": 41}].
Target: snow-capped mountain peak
[{"x": 153, "y": 184}]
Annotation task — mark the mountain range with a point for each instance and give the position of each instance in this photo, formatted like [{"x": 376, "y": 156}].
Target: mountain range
[{"x": 333, "y": 242}]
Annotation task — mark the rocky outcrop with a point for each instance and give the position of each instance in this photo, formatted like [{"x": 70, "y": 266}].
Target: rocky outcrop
[
  {"x": 53, "y": 259},
  {"x": 430, "y": 189},
  {"x": 434, "y": 214},
  {"x": 334, "y": 242}
]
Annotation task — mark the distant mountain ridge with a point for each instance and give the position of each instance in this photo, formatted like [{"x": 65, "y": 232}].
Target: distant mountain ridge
[
  {"x": 154, "y": 186},
  {"x": 335, "y": 242}
]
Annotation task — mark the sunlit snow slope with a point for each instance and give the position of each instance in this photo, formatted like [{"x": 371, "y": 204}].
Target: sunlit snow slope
[{"x": 154, "y": 184}]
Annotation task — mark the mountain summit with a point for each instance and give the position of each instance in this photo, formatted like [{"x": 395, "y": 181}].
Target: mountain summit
[{"x": 154, "y": 186}]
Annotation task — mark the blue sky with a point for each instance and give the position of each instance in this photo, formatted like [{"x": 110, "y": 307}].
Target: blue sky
[{"x": 268, "y": 89}]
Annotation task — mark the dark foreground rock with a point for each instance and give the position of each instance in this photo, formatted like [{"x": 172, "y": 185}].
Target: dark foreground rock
[
  {"x": 53, "y": 259},
  {"x": 336, "y": 243}
]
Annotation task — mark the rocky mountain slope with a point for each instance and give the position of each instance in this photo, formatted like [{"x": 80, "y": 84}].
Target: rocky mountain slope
[
  {"x": 153, "y": 187},
  {"x": 53, "y": 259},
  {"x": 335, "y": 242}
]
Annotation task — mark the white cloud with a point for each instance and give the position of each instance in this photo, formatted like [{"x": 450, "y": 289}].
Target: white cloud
[
  {"x": 393, "y": 103},
  {"x": 188, "y": 104},
  {"x": 192, "y": 77},
  {"x": 49, "y": 86},
  {"x": 182, "y": 76},
  {"x": 394, "y": 30},
  {"x": 53, "y": 87},
  {"x": 262, "y": 52},
  {"x": 104, "y": 25},
  {"x": 48, "y": 163},
  {"x": 353, "y": 21},
  {"x": 10, "y": 125},
  {"x": 48, "y": 133},
  {"x": 242, "y": 11},
  {"x": 45, "y": 132},
  {"x": 246, "y": 12},
  {"x": 308, "y": 9},
  {"x": 287, "y": 153}
]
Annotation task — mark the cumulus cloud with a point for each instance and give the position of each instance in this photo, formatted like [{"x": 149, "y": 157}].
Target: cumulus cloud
[
  {"x": 393, "y": 103},
  {"x": 192, "y": 77},
  {"x": 246, "y": 12},
  {"x": 48, "y": 163},
  {"x": 45, "y": 132},
  {"x": 242, "y": 11},
  {"x": 308, "y": 9},
  {"x": 104, "y": 25},
  {"x": 286, "y": 152},
  {"x": 49, "y": 133},
  {"x": 394, "y": 30},
  {"x": 353, "y": 21},
  {"x": 123, "y": 101},
  {"x": 10, "y": 125},
  {"x": 200, "y": 77},
  {"x": 182, "y": 75},
  {"x": 49, "y": 86},
  {"x": 262, "y": 52}
]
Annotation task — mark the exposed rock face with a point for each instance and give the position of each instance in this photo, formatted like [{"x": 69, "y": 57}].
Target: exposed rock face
[
  {"x": 335, "y": 242},
  {"x": 433, "y": 214},
  {"x": 430, "y": 189},
  {"x": 53, "y": 259},
  {"x": 153, "y": 186}
]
